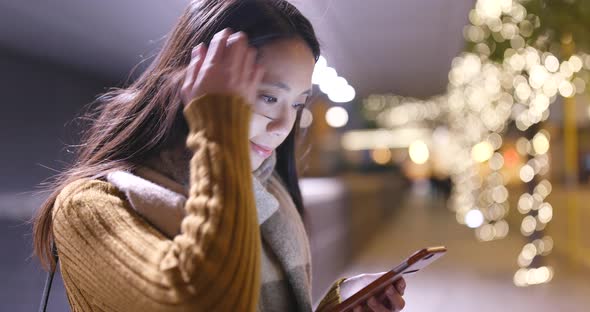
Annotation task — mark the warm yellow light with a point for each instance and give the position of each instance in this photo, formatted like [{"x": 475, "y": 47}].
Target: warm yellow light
[
  {"x": 520, "y": 278},
  {"x": 527, "y": 173},
  {"x": 336, "y": 117},
  {"x": 474, "y": 218},
  {"x": 545, "y": 213},
  {"x": 566, "y": 89},
  {"x": 586, "y": 59},
  {"x": 566, "y": 69},
  {"x": 540, "y": 144},
  {"x": 576, "y": 63},
  {"x": 543, "y": 188},
  {"x": 523, "y": 146},
  {"x": 540, "y": 103},
  {"x": 500, "y": 194},
  {"x": 552, "y": 63},
  {"x": 525, "y": 203},
  {"x": 517, "y": 62},
  {"x": 517, "y": 42},
  {"x": 526, "y": 277},
  {"x": 306, "y": 118},
  {"x": 486, "y": 232},
  {"x": 529, "y": 251},
  {"x": 526, "y": 27},
  {"x": 528, "y": 226},
  {"x": 496, "y": 162},
  {"x": 482, "y": 151},
  {"x": 538, "y": 76},
  {"x": 547, "y": 245},
  {"x": 550, "y": 86},
  {"x": 523, "y": 91},
  {"x": 493, "y": 8},
  {"x": 502, "y": 228},
  {"x": 419, "y": 152},
  {"x": 358, "y": 140},
  {"x": 381, "y": 155}
]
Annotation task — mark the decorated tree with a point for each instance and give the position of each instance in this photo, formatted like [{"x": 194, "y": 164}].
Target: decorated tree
[{"x": 520, "y": 57}]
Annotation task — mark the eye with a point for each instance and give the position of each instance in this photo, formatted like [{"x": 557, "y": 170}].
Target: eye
[
  {"x": 302, "y": 105},
  {"x": 268, "y": 99},
  {"x": 299, "y": 106}
]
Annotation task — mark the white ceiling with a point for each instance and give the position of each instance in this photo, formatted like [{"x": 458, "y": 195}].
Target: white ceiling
[{"x": 400, "y": 46}]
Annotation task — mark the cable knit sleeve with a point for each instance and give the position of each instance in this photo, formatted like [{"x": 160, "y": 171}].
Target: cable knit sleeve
[{"x": 112, "y": 260}]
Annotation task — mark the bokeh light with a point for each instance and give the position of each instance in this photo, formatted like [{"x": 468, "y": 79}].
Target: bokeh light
[
  {"x": 336, "y": 117},
  {"x": 419, "y": 153}
]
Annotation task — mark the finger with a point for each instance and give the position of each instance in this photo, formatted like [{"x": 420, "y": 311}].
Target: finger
[
  {"x": 384, "y": 300},
  {"x": 376, "y": 306},
  {"x": 396, "y": 300},
  {"x": 358, "y": 308},
  {"x": 257, "y": 75},
  {"x": 236, "y": 48},
  {"x": 199, "y": 56},
  {"x": 195, "y": 50},
  {"x": 249, "y": 64},
  {"x": 254, "y": 82},
  {"x": 400, "y": 285},
  {"x": 217, "y": 47},
  {"x": 193, "y": 67}
]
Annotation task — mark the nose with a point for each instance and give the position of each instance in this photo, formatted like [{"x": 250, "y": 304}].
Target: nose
[{"x": 282, "y": 125}]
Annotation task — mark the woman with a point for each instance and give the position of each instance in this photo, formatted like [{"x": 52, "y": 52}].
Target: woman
[{"x": 184, "y": 195}]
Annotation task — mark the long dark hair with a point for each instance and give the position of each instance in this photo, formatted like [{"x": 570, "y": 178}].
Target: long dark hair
[{"x": 127, "y": 125}]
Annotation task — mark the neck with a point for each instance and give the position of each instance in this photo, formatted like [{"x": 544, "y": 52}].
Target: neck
[{"x": 174, "y": 163}]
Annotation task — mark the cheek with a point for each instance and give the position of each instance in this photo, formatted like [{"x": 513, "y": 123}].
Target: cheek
[{"x": 258, "y": 125}]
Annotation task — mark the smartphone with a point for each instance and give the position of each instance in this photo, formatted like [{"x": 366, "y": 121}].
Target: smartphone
[{"x": 416, "y": 262}]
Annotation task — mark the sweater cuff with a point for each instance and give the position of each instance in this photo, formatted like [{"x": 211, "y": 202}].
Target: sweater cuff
[
  {"x": 332, "y": 297},
  {"x": 219, "y": 115}
]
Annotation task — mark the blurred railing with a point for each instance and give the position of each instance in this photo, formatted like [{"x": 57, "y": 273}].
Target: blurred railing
[{"x": 342, "y": 214}]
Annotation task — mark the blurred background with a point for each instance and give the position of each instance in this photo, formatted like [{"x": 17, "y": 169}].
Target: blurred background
[{"x": 463, "y": 123}]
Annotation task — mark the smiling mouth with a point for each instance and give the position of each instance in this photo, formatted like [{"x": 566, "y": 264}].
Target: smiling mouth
[{"x": 261, "y": 150}]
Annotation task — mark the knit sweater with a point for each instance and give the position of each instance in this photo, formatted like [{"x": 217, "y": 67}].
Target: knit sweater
[{"x": 112, "y": 259}]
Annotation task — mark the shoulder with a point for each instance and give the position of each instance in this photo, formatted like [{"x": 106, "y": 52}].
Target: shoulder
[{"x": 86, "y": 196}]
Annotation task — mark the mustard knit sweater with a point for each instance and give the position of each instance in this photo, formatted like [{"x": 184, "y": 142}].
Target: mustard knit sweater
[{"x": 111, "y": 259}]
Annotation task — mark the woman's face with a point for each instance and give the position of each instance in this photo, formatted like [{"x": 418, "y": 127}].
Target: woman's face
[{"x": 286, "y": 85}]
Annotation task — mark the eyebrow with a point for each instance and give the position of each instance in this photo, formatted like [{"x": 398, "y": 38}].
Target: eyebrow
[{"x": 284, "y": 86}]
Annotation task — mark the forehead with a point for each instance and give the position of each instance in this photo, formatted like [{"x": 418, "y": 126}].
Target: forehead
[{"x": 290, "y": 61}]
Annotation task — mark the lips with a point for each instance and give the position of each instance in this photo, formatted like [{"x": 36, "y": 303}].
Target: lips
[{"x": 263, "y": 151}]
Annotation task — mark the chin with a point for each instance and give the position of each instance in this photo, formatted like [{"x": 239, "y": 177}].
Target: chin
[{"x": 255, "y": 161}]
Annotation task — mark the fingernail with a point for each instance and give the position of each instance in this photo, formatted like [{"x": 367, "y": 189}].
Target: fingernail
[
  {"x": 390, "y": 291},
  {"x": 401, "y": 287}
]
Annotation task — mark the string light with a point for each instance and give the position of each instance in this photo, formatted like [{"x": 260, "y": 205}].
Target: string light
[
  {"x": 419, "y": 153},
  {"x": 381, "y": 156},
  {"x": 337, "y": 88},
  {"x": 485, "y": 95},
  {"x": 336, "y": 117}
]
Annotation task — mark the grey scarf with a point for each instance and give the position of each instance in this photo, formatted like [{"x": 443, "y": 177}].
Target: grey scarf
[{"x": 157, "y": 190}]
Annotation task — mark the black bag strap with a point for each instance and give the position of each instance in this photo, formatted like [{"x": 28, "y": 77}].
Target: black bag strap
[{"x": 48, "y": 280}]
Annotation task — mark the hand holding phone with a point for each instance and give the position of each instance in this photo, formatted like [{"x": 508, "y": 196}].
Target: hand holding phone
[{"x": 412, "y": 264}]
